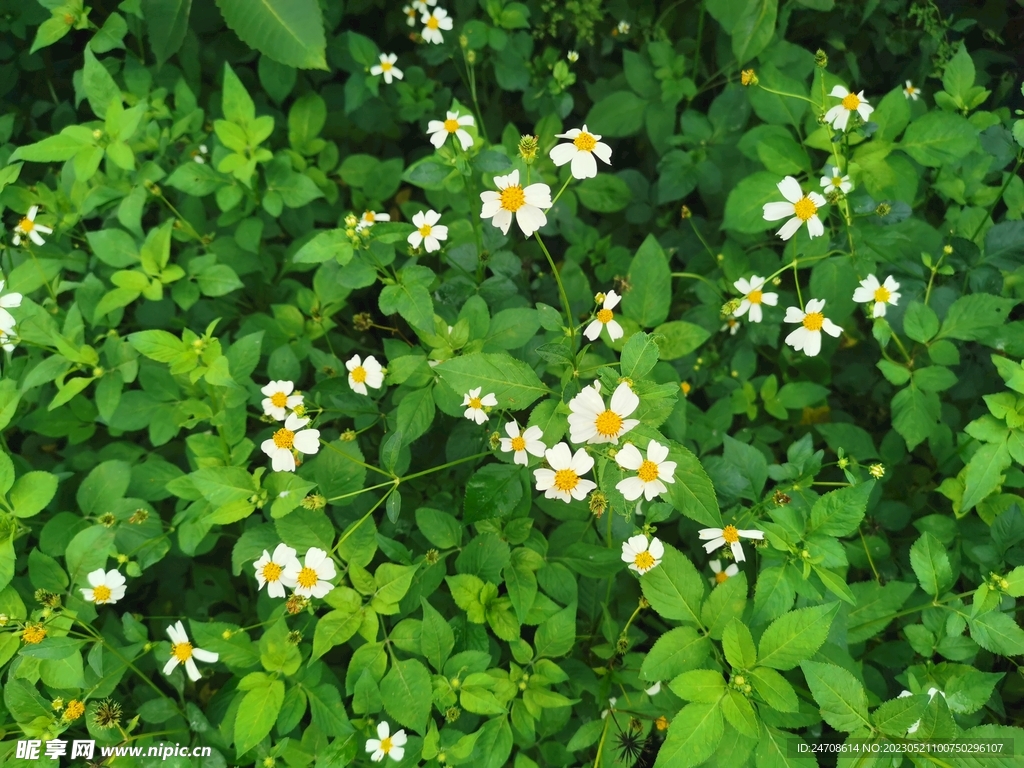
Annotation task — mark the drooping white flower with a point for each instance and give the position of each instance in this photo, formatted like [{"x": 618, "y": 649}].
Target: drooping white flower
[
  {"x": 433, "y": 23},
  {"x": 528, "y": 205},
  {"x": 453, "y": 124},
  {"x": 591, "y": 422},
  {"x": 270, "y": 569},
  {"x": 836, "y": 181},
  {"x": 641, "y": 554},
  {"x": 580, "y": 150},
  {"x": 651, "y": 473},
  {"x": 522, "y": 442},
  {"x": 279, "y": 399},
  {"x": 385, "y": 744},
  {"x": 8, "y": 301},
  {"x": 291, "y": 437},
  {"x": 387, "y": 68},
  {"x": 911, "y": 91},
  {"x": 731, "y": 324},
  {"x": 931, "y": 695},
  {"x": 428, "y": 232},
  {"x": 605, "y": 318},
  {"x": 107, "y": 587},
  {"x": 183, "y": 652},
  {"x": 654, "y": 690},
  {"x": 622, "y": 28},
  {"x": 200, "y": 153},
  {"x": 27, "y": 227},
  {"x": 839, "y": 115},
  {"x": 364, "y": 373},
  {"x": 564, "y": 480},
  {"x": 311, "y": 578},
  {"x": 871, "y": 291},
  {"x": 754, "y": 296},
  {"x": 412, "y": 13},
  {"x": 611, "y": 708},
  {"x": 729, "y": 535},
  {"x": 369, "y": 218},
  {"x": 800, "y": 207},
  {"x": 812, "y": 322},
  {"x": 721, "y": 576},
  {"x": 475, "y": 405}
]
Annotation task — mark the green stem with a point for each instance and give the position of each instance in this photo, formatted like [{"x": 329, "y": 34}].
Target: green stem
[
  {"x": 902, "y": 349},
  {"x": 995, "y": 202},
  {"x": 796, "y": 277},
  {"x": 444, "y": 466},
  {"x": 356, "y": 461},
  {"x": 783, "y": 93},
  {"x": 867, "y": 551},
  {"x": 361, "y": 491},
  {"x": 695, "y": 276},
  {"x": 364, "y": 518},
  {"x": 561, "y": 288},
  {"x": 555, "y": 199}
]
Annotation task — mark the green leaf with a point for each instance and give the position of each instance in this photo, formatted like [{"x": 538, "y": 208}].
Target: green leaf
[
  {"x": 436, "y": 637},
  {"x": 50, "y": 31},
  {"x": 895, "y": 716},
  {"x": 675, "y": 589},
  {"x": 740, "y": 714},
  {"x": 441, "y": 529},
  {"x": 795, "y": 636},
  {"x": 839, "y": 513},
  {"x": 984, "y": 475},
  {"x": 971, "y": 317},
  {"x": 512, "y": 381},
  {"x": 335, "y": 628},
  {"x": 678, "y": 338},
  {"x": 997, "y": 632},
  {"x": 99, "y": 86},
  {"x": 406, "y": 693},
  {"x": 920, "y": 322},
  {"x": 288, "y": 31},
  {"x": 410, "y": 297},
  {"x": 32, "y": 492},
  {"x": 63, "y": 146},
  {"x": 931, "y": 564},
  {"x": 650, "y": 279},
  {"x": 161, "y": 346},
  {"x": 676, "y": 651},
  {"x": 618, "y": 114},
  {"x": 841, "y": 697},
  {"x": 557, "y": 635},
  {"x": 639, "y": 356},
  {"x": 494, "y": 490},
  {"x": 914, "y": 413},
  {"x": 754, "y": 29},
  {"x": 937, "y": 138},
  {"x": 107, "y": 482},
  {"x": 604, "y": 193},
  {"x": 725, "y": 603},
  {"x": 257, "y": 714},
  {"x": 693, "y": 737},
  {"x": 114, "y": 247},
  {"x": 699, "y": 685},
  {"x": 166, "y": 23},
  {"x": 774, "y": 689},
  {"x": 692, "y": 493},
  {"x": 744, "y": 208},
  {"x": 958, "y": 75},
  {"x": 739, "y": 645}
]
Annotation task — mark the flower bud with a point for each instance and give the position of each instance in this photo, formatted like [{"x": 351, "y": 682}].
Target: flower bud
[
  {"x": 748, "y": 77},
  {"x": 877, "y": 471},
  {"x": 883, "y": 209},
  {"x": 685, "y": 212},
  {"x": 820, "y": 59},
  {"x": 528, "y": 148}
]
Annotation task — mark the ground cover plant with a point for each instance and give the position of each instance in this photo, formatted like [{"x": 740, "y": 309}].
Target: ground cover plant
[{"x": 584, "y": 383}]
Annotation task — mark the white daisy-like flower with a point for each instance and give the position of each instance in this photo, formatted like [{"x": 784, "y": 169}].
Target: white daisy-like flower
[
  {"x": 428, "y": 232},
  {"x": 721, "y": 576},
  {"x": 729, "y": 535},
  {"x": 654, "y": 690},
  {"x": 836, "y": 182},
  {"x": 527, "y": 204},
  {"x": 580, "y": 151},
  {"x": 364, "y": 373},
  {"x": 651, "y": 473},
  {"x": 839, "y": 115},
  {"x": 289, "y": 438},
  {"x": 279, "y": 399},
  {"x": 573, "y": 56},
  {"x": 412, "y": 13},
  {"x": 7, "y": 340},
  {"x": 731, "y": 324},
  {"x": 369, "y": 218},
  {"x": 475, "y": 404},
  {"x": 871, "y": 291},
  {"x": 183, "y": 652},
  {"x": 622, "y": 28},
  {"x": 433, "y": 23},
  {"x": 200, "y": 153},
  {"x": 812, "y": 322},
  {"x": 641, "y": 554},
  {"x": 564, "y": 479},
  {"x": 311, "y": 578},
  {"x": 605, "y": 318},
  {"x": 385, "y": 744},
  {"x": 754, "y": 296},
  {"x": 931, "y": 695},
  {"x": 27, "y": 227},
  {"x": 522, "y": 442},
  {"x": 591, "y": 422},
  {"x": 453, "y": 124},
  {"x": 611, "y": 708},
  {"x": 270, "y": 569},
  {"x": 911, "y": 91},
  {"x": 106, "y": 587},
  {"x": 387, "y": 68},
  {"x": 8, "y": 301},
  {"x": 802, "y": 208}
]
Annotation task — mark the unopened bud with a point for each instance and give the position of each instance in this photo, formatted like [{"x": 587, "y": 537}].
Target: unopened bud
[
  {"x": 685, "y": 212},
  {"x": 883, "y": 209},
  {"x": 748, "y": 77},
  {"x": 820, "y": 59},
  {"x": 598, "y": 503},
  {"x": 314, "y": 501},
  {"x": 877, "y": 471},
  {"x": 730, "y": 307},
  {"x": 528, "y": 148}
]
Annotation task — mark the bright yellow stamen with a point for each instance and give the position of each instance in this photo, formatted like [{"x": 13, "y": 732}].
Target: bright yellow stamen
[
  {"x": 648, "y": 471},
  {"x": 34, "y": 633},
  {"x": 644, "y": 560},
  {"x": 425, "y": 230},
  {"x": 386, "y": 66},
  {"x": 851, "y": 101},
  {"x": 804, "y": 208},
  {"x": 566, "y": 480},
  {"x": 730, "y": 534},
  {"x": 369, "y": 217},
  {"x": 101, "y": 594},
  {"x": 385, "y": 745},
  {"x": 279, "y": 399},
  {"x": 451, "y": 125},
  {"x": 882, "y": 294},
  {"x": 26, "y": 225},
  {"x": 271, "y": 571},
  {"x": 608, "y": 424},
  {"x": 358, "y": 374},
  {"x": 433, "y": 23},
  {"x": 284, "y": 438},
  {"x": 474, "y": 402},
  {"x": 585, "y": 142},
  {"x": 182, "y": 651},
  {"x": 754, "y": 297},
  {"x": 605, "y": 315},
  {"x": 308, "y": 578},
  {"x": 513, "y": 198},
  {"x": 721, "y": 577},
  {"x": 518, "y": 444},
  {"x": 813, "y": 321}
]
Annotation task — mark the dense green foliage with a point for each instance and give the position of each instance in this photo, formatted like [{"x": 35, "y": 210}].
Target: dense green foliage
[{"x": 326, "y": 295}]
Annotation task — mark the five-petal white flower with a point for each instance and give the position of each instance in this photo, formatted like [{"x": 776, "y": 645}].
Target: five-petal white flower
[
  {"x": 807, "y": 337},
  {"x": 290, "y": 437},
  {"x": 386, "y": 744},
  {"x": 802, "y": 208},
  {"x": 279, "y": 399},
  {"x": 871, "y": 291},
  {"x": 721, "y": 576},
  {"x": 107, "y": 587},
  {"x": 528, "y": 204},
  {"x": 270, "y": 568},
  {"x": 753, "y": 297},
  {"x": 591, "y": 422},
  {"x": 641, "y": 554},
  {"x": 27, "y": 227},
  {"x": 387, "y": 68},
  {"x": 564, "y": 479},
  {"x": 605, "y": 318},
  {"x": 433, "y": 23},
  {"x": 521, "y": 442},
  {"x": 911, "y": 91},
  {"x": 732, "y": 325},
  {"x": 836, "y": 181},
  {"x": 312, "y": 578},
  {"x": 440, "y": 130},
  {"x": 8, "y": 301},
  {"x": 580, "y": 151},
  {"x": 369, "y": 218},
  {"x": 428, "y": 232},
  {"x": 364, "y": 373},
  {"x": 183, "y": 652},
  {"x": 729, "y": 535},
  {"x": 475, "y": 405},
  {"x": 651, "y": 473},
  {"x": 839, "y": 115}
]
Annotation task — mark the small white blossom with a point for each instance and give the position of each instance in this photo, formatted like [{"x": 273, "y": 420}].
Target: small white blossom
[
  {"x": 369, "y": 218},
  {"x": 183, "y": 652},
  {"x": 364, "y": 373},
  {"x": 522, "y": 442},
  {"x": 279, "y": 399},
  {"x": 605, "y": 318},
  {"x": 387, "y": 68},
  {"x": 106, "y": 587},
  {"x": 312, "y": 578},
  {"x": 428, "y": 232},
  {"x": 807, "y": 337},
  {"x": 911, "y": 91},
  {"x": 721, "y": 576},
  {"x": 27, "y": 227},
  {"x": 453, "y": 124},
  {"x": 651, "y": 473},
  {"x": 802, "y": 208},
  {"x": 433, "y": 23},
  {"x": 527, "y": 204},
  {"x": 839, "y": 115},
  {"x": 387, "y": 745},
  {"x": 573, "y": 56},
  {"x": 754, "y": 296},
  {"x": 836, "y": 181},
  {"x": 564, "y": 480},
  {"x": 580, "y": 150},
  {"x": 871, "y": 291},
  {"x": 289, "y": 439},
  {"x": 729, "y": 535},
  {"x": 475, "y": 405},
  {"x": 731, "y": 324},
  {"x": 270, "y": 569},
  {"x": 622, "y": 28},
  {"x": 642, "y": 555},
  {"x": 591, "y": 422}
]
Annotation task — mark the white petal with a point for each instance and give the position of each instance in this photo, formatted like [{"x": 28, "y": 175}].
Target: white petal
[
  {"x": 530, "y": 219},
  {"x": 584, "y": 166},
  {"x": 790, "y": 189},
  {"x": 593, "y": 330},
  {"x": 207, "y": 657},
  {"x": 307, "y": 441},
  {"x": 632, "y": 488},
  {"x": 789, "y": 228},
  {"x": 839, "y": 92},
  {"x": 562, "y": 154},
  {"x": 192, "y": 670},
  {"x": 814, "y": 226},
  {"x": 629, "y": 457},
  {"x": 624, "y": 400},
  {"x": 834, "y": 330},
  {"x": 737, "y": 552},
  {"x": 774, "y": 212}
]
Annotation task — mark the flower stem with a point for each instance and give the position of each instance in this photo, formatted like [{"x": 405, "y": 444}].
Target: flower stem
[
  {"x": 561, "y": 288},
  {"x": 555, "y": 200},
  {"x": 703, "y": 279}
]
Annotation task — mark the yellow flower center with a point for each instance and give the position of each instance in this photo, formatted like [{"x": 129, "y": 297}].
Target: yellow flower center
[
  {"x": 513, "y": 198},
  {"x": 369, "y": 217},
  {"x": 182, "y": 651},
  {"x": 754, "y": 297},
  {"x": 385, "y": 745},
  {"x": 284, "y": 438},
  {"x": 648, "y": 471},
  {"x": 851, "y": 101},
  {"x": 804, "y": 208},
  {"x": 474, "y": 402},
  {"x": 271, "y": 571},
  {"x": 837, "y": 181},
  {"x": 358, "y": 374},
  {"x": 813, "y": 321},
  {"x": 26, "y": 225},
  {"x": 882, "y": 294},
  {"x": 279, "y": 399},
  {"x": 911, "y": 89},
  {"x": 519, "y": 443},
  {"x": 730, "y": 534},
  {"x": 566, "y": 480},
  {"x": 433, "y": 23},
  {"x": 686, "y": 387},
  {"x": 644, "y": 560},
  {"x": 425, "y": 230},
  {"x": 308, "y": 578},
  {"x": 74, "y": 710},
  {"x": 451, "y": 125},
  {"x": 33, "y": 634},
  {"x": 101, "y": 594},
  {"x": 386, "y": 66},
  {"x": 585, "y": 142},
  {"x": 608, "y": 424},
  {"x": 605, "y": 315},
  {"x": 721, "y": 577}
]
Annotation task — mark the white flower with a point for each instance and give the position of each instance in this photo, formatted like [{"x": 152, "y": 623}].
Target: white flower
[
  {"x": 433, "y": 23},
  {"x": 182, "y": 652},
  {"x": 580, "y": 151},
  {"x": 622, "y": 28},
  {"x": 8, "y": 301},
  {"x": 279, "y": 399},
  {"x": 7, "y": 340},
  {"x": 753, "y": 297},
  {"x": 912, "y": 92},
  {"x": 364, "y": 373},
  {"x": 654, "y": 690},
  {"x": 800, "y": 206},
  {"x": 871, "y": 290},
  {"x": 289, "y": 438},
  {"x": 641, "y": 554},
  {"x": 931, "y": 695},
  {"x": 270, "y": 568},
  {"x": 386, "y": 744},
  {"x": 200, "y": 154},
  {"x": 387, "y": 68},
  {"x": 440, "y": 130},
  {"x": 729, "y": 535},
  {"x": 312, "y": 579},
  {"x": 475, "y": 405},
  {"x": 731, "y": 324},
  {"x": 721, "y": 576},
  {"x": 573, "y": 56},
  {"x": 563, "y": 481},
  {"x": 812, "y": 322},
  {"x": 839, "y": 115},
  {"x": 107, "y": 587},
  {"x": 651, "y": 473},
  {"x": 521, "y": 443},
  {"x": 836, "y": 181},
  {"x": 412, "y": 11},
  {"x": 369, "y": 218},
  {"x": 605, "y": 318},
  {"x": 591, "y": 422},
  {"x": 428, "y": 231},
  {"x": 28, "y": 227},
  {"x": 527, "y": 204},
  {"x": 611, "y": 707}
]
